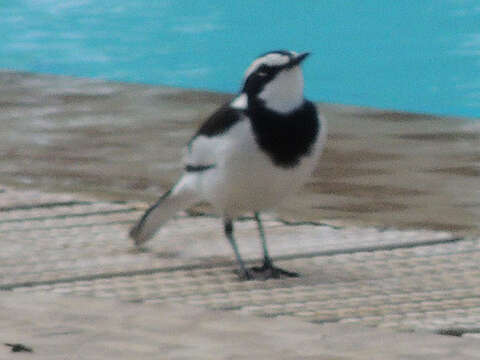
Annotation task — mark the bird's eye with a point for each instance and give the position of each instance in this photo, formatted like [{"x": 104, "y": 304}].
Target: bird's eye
[{"x": 263, "y": 71}]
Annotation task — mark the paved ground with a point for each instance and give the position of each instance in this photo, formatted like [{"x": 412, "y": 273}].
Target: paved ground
[
  {"x": 125, "y": 141},
  {"x": 57, "y": 245},
  {"x": 57, "y": 327},
  {"x": 72, "y": 286}
]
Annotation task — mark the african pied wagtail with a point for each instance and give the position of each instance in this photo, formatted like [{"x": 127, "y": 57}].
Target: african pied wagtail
[{"x": 249, "y": 155}]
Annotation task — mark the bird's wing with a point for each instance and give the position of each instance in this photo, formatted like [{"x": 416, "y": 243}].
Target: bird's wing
[{"x": 202, "y": 149}]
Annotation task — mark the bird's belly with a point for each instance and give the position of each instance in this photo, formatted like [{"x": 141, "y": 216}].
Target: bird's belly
[
  {"x": 245, "y": 177},
  {"x": 253, "y": 183}
]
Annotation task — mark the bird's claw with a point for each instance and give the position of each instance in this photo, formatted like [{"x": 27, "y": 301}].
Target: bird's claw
[
  {"x": 268, "y": 271},
  {"x": 265, "y": 272}
]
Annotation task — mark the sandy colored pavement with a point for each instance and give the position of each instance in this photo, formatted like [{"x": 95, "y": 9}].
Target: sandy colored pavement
[
  {"x": 72, "y": 286},
  {"x": 125, "y": 141},
  {"x": 57, "y": 327},
  {"x": 386, "y": 236}
]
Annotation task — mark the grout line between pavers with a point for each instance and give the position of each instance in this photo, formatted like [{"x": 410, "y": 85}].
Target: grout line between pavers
[
  {"x": 47, "y": 205},
  {"x": 186, "y": 267},
  {"x": 372, "y": 248},
  {"x": 66, "y": 227},
  {"x": 67, "y": 216}
]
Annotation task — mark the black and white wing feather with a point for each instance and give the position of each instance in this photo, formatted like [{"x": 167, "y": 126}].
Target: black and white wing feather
[{"x": 203, "y": 149}]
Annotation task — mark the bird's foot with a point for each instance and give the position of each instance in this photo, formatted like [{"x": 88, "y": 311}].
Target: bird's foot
[
  {"x": 271, "y": 272},
  {"x": 265, "y": 272},
  {"x": 244, "y": 275},
  {"x": 268, "y": 271}
]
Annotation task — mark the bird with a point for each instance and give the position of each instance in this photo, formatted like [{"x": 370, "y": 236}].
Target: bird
[{"x": 248, "y": 156}]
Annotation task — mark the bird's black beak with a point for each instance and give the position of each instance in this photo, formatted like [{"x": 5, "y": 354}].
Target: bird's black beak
[{"x": 299, "y": 58}]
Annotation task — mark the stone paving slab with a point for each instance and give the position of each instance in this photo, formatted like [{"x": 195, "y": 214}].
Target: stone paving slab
[
  {"x": 408, "y": 280},
  {"x": 86, "y": 238},
  {"x": 404, "y": 294},
  {"x": 125, "y": 141},
  {"x": 57, "y": 327}
]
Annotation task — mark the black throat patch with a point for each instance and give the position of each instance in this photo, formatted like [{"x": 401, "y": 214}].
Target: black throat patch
[{"x": 285, "y": 138}]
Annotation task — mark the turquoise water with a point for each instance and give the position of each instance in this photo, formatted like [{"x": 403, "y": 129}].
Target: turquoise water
[{"x": 419, "y": 55}]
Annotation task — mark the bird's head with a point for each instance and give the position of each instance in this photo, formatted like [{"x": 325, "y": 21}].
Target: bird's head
[{"x": 275, "y": 79}]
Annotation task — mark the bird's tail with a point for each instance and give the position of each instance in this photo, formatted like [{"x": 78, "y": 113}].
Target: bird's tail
[{"x": 178, "y": 198}]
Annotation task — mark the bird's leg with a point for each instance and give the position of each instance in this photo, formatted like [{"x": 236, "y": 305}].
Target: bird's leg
[
  {"x": 268, "y": 270},
  {"x": 228, "y": 227}
]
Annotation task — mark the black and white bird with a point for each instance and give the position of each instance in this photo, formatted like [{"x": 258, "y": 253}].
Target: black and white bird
[{"x": 249, "y": 155}]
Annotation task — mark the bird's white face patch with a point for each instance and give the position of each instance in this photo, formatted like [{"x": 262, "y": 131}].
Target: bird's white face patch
[
  {"x": 273, "y": 59},
  {"x": 285, "y": 92}
]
